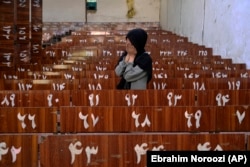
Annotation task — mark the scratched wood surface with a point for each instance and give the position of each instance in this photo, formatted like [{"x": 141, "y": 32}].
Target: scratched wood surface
[
  {"x": 154, "y": 119},
  {"x": 232, "y": 83},
  {"x": 37, "y": 12},
  {"x": 166, "y": 83},
  {"x": 127, "y": 149},
  {"x": 223, "y": 97},
  {"x": 150, "y": 97},
  {"x": 233, "y": 118},
  {"x": 80, "y": 119},
  {"x": 207, "y": 72},
  {"x": 24, "y": 148},
  {"x": 28, "y": 120},
  {"x": 98, "y": 84}
]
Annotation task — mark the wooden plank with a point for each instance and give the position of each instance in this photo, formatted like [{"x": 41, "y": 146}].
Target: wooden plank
[
  {"x": 97, "y": 84},
  {"x": 10, "y": 98},
  {"x": 231, "y": 83},
  {"x": 6, "y": 7},
  {"x": 223, "y": 97},
  {"x": 128, "y": 148},
  {"x": 165, "y": 83},
  {"x": 36, "y": 48},
  {"x": 150, "y": 97},
  {"x": 34, "y": 98},
  {"x": 198, "y": 84},
  {"x": 28, "y": 120},
  {"x": 36, "y": 11},
  {"x": 233, "y": 119},
  {"x": 22, "y": 12},
  {"x": 137, "y": 119},
  {"x": 23, "y": 33},
  {"x": 25, "y": 147},
  {"x": 44, "y": 98},
  {"x": 7, "y": 34}
]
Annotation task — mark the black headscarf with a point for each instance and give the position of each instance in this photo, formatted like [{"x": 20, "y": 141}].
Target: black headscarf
[{"x": 138, "y": 38}]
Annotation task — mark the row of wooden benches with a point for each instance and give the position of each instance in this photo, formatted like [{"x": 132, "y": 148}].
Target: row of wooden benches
[
  {"x": 107, "y": 149},
  {"x": 103, "y": 54},
  {"x": 63, "y": 50},
  {"x": 117, "y": 119},
  {"x": 112, "y": 97},
  {"x": 110, "y": 83},
  {"x": 81, "y": 63},
  {"x": 26, "y": 73},
  {"x": 109, "y": 38},
  {"x": 103, "y": 65}
]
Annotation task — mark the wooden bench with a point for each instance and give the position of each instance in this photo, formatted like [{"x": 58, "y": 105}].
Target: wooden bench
[
  {"x": 45, "y": 98},
  {"x": 128, "y": 149},
  {"x": 154, "y": 119},
  {"x": 233, "y": 118},
  {"x": 28, "y": 120},
  {"x": 223, "y": 97},
  {"x": 79, "y": 119},
  {"x": 24, "y": 148},
  {"x": 203, "y": 83},
  {"x": 10, "y": 98},
  {"x": 165, "y": 83},
  {"x": 7, "y": 55},
  {"x": 98, "y": 84},
  {"x": 195, "y": 83},
  {"x": 231, "y": 83},
  {"x": 167, "y": 97},
  {"x": 40, "y": 84},
  {"x": 35, "y": 98}
]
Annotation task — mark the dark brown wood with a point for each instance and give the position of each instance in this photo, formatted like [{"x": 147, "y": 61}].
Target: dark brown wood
[
  {"x": 121, "y": 149},
  {"x": 233, "y": 118},
  {"x": 28, "y": 120},
  {"x": 28, "y": 145}
]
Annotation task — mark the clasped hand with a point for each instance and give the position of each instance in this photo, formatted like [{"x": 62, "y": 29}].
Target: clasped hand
[{"x": 129, "y": 58}]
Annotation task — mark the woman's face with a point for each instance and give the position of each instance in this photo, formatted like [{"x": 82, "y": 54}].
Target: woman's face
[{"x": 130, "y": 48}]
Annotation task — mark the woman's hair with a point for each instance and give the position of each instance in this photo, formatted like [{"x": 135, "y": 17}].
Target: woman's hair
[{"x": 138, "y": 38}]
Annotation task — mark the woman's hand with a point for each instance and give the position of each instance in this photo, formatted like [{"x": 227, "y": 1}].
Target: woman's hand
[
  {"x": 129, "y": 58},
  {"x": 131, "y": 50}
]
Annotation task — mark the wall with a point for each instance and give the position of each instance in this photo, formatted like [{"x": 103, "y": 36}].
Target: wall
[
  {"x": 107, "y": 11},
  {"x": 63, "y": 10},
  {"x": 222, "y": 25}
]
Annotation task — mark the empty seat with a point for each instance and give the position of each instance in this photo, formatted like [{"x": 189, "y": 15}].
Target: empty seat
[
  {"x": 19, "y": 150},
  {"x": 44, "y": 98},
  {"x": 150, "y": 97},
  {"x": 10, "y": 98},
  {"x": 40, "y": 84},
  {"x": 98, "y": 84},
  {"x": 92, "y": 149},
  {"x": 223, "y": 97},
  {"x": 28, "y": 120},
  {"x": 165, "y": 83},
  {"x": 195, "y": 83},
  {"x": 233, "y": 118},
  {"x": 228, "y": 83},
  {"x": 78, "y": 119}
]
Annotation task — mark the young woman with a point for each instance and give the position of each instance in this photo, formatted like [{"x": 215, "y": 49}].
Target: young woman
[{"x": 135, "y": 65}]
